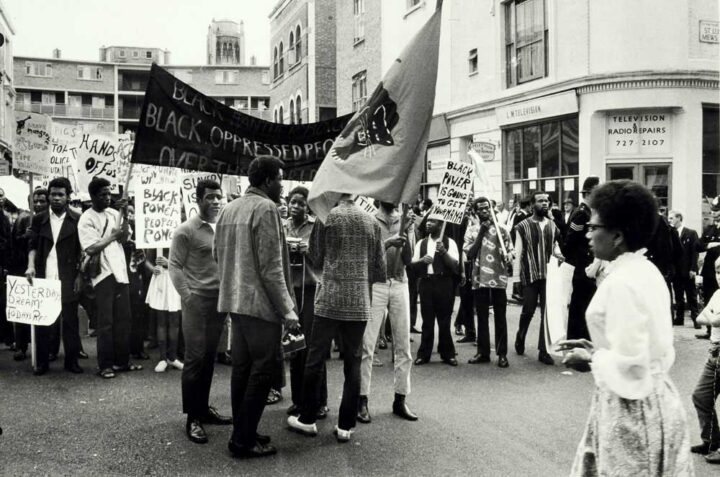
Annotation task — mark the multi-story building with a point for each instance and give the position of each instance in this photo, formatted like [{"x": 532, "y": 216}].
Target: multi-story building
[
  {"x": 226, "y": 43},
  {"x": 7, "y": 91},
  {"x": 551, "y": 91},
  {"x": 107, "y": 95},
  {"x": 302, "y": 40}
]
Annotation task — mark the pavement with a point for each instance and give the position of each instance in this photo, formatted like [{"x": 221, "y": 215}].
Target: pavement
[{"x": 474, "y": 419}]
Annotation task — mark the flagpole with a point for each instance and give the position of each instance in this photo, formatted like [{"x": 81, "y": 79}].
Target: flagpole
[{"x": 476, "y": 169}]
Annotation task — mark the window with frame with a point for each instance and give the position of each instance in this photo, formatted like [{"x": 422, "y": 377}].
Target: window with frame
[
  {"x": 281, "y": 115},
  {"x": 226, "y": 77},
  {"x": 281, "y": 59},
  {"x": 121, "y": 54},
  {"x": 292, "y": 111},
  {"x": 359, "y": 20},
  {"x": 136, "y": 54},
  {"x": 90, "y": 72},
  {"x": 33, "y": 68},
  {"x": 148, "y": 55},
  {"x": 291, "y": 48},
  {"x": 359, "y": 90},
  {"x": 472, "y": 61},
  {"x": 298, "y": 110},
  {"x": 526, "y": 41},
  {"x": 542, "y": 156},
  {"x": 298, "y": 44},
  {"x": 710, "y": 153},
  {"x": 275, "y": 62}
]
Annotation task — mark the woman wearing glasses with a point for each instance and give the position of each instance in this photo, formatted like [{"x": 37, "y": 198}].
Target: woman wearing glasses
[{"x": 637, "y": 423}]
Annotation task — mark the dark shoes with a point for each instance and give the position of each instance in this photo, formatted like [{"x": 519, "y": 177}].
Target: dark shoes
[
  {"x": 20, "y": 355},
  {"x": 401, "y": 409},
  {"x": 704, "y": 336},
  {"x": 258, "y": 450},
  {"x": 466, "y": 339},
  {"x": 545, "y": 358},
  {"x": 363, "y": 414},
  {"x": 382, "y": 343},
  {"x": 213, "y": 417},
  {"x": 224, "y": 358},
  {"x": 141, "y": 356},
  {"x": 479, "y": 358},
  {"x": 459, "y": 331},
  {"x": 83, "y": 355},
  {"x": 41, "y": 369},
  {"x": 519, "y": 345},
  {"x": 74, "y": 368},
  {"x": 703, "y": 449},
  {"x": 274, "y": 397},
  {"x": 293, "y": 410},
  {"x": 450, "y": 361},
  {"x": 322, "y": 413},
  {"x": 420, "y": 361},
  {"x": 503, "y": 362},
  {"x": 195, "y": 431}
]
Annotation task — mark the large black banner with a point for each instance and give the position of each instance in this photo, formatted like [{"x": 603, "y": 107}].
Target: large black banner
[{"x": 181, "y": 127}]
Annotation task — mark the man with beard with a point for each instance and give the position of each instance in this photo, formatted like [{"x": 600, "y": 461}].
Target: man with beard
[
  {"x": 256, "y": 289},
  {"x": 194, "y": 274},
  {"x": 537, "y": 239},
  {"x": 55, "y": 254},
  {"x": 578, "y": 254},
  {"x": 18, "y": 263},
  {"x": 489, "y": 281}
]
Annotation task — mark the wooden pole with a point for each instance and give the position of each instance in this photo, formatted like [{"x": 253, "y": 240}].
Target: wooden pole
[{"x": 33, "y": 340}]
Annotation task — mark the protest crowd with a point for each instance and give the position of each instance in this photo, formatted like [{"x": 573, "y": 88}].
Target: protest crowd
[{"x": 261, "y": 280}]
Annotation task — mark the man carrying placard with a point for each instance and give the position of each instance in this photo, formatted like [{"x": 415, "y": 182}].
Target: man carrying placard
[{"x": 55, "y": 253}]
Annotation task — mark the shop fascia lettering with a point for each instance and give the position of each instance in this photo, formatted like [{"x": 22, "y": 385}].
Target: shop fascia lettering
[{"x": 634, "y": 119}]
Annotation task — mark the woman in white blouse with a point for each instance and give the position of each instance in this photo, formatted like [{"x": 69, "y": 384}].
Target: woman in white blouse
[{"x": 637, "y": 423}]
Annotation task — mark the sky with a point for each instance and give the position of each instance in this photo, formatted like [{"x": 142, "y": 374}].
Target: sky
[{"x": 80, "y": 27}]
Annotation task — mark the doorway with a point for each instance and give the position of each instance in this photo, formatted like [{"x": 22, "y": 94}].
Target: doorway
[{"x": 654, "y": 176}]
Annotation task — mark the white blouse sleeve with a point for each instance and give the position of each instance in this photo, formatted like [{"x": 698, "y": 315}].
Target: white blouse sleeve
[{"x": 624, "y": 366}]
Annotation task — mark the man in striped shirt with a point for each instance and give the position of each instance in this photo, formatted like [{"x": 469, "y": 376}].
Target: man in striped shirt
[{"x": 536, "y": 239}]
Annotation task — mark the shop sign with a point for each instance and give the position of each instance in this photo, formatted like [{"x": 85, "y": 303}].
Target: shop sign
[
  {"x": 709, "y": 31},
  {"x": 486, "y": 150},
  {"x": 638, "y": 133},
  {"x": 540, "y": 108},
  {"x": 436, "y": 170}
]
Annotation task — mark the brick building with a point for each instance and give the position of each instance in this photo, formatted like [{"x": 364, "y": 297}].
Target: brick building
[{"x": 302, "y": 37}]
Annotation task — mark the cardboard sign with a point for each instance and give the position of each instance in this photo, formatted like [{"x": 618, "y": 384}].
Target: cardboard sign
[
  {"x": 32, "y": 142},
  {"x": 62, "y": 159},
  {"x": 143, "y": 174},
  {"x": 103, "y": 155},
  {"x": 37, "y": 304},
  {"x": 366, "y": 204},
  {"x": 453, "y": 193},
  {"x": 188, "y": 184},
  {"x": 157, "y": 215}
]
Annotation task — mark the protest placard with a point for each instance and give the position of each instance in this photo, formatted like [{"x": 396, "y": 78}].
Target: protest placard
[
  {"x": 37, "y": 304},
  {"x": 32, "y": 143},
  {"x": 453, "y": 193},
  {"x": 366, "y": 204},
  {"x": 188, "y": 183},
  {"x": 103, "y": 155},
  {"x": 62, "y": 158},
  {"x": 157, "y": 215},
  {"x": 143, "y": 174}
]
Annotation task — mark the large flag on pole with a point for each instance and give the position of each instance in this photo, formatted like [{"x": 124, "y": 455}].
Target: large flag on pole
[{"x": 381, "y": 151}]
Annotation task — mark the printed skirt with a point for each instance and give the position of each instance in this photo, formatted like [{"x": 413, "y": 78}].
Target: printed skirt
[
  {"x": 161, "y": 293},
  {"x": 641, "y": 437}
]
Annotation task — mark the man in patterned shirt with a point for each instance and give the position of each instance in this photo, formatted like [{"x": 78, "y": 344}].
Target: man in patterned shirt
[{"x": 489, "y": 281}]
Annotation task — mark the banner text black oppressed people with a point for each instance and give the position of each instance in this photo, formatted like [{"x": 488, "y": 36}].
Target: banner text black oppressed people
[{"x": 181, "y": 127}]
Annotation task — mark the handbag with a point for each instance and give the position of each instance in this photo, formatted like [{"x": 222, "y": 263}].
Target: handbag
[{"x": 92, "y": 266}]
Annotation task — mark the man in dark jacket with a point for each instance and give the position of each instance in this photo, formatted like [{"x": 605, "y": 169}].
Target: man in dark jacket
[
  {"x": 684, "y": 279},
  {"x": 710, "y": 243},
  {"x": 664, "y": 250},
  {"x": 55, "y": 254}
]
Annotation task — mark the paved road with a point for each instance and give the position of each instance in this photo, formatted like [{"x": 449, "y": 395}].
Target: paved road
[{"x": 474, "y": 419}]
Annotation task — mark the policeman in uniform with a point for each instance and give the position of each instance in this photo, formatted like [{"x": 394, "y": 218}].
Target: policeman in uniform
[
  {"x": 710, "y": 242},
  {"x": 577, "y": 253}
]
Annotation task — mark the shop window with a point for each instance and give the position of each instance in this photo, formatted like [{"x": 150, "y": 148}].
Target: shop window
[
  {"x": 359, "y": 90},
  {"x": 472, "y": 61},
  {"x": 526, "y": 41},
  {"x": 542, "y": 156},
  {"x": 710, "y": 155},
  {"x": 359, "y": 21}
]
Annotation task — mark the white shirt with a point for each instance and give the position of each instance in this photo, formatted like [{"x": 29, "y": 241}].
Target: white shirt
[
  {"x": 631, "y": 327},
  {"x": 452, "y": 251},
  {"x": 90, "y": 230},
  {"x": 51, "y": 264},
  {"x": 712, "y": 313}
]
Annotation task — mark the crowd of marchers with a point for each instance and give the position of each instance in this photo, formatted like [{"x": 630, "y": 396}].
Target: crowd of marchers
[{"x": 248, "y": 275}]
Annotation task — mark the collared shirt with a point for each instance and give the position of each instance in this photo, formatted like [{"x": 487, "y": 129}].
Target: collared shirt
[
  {"x": 51, "y": 265},
  {"x": 299, "y": 261},
  {"x": 191, "y": 265},
  {"x": 489, "y": 269},
  {"x": 452, "y": 251},
  {"x": 390, "y": 226},
  {"x": 90, "y": 229}
]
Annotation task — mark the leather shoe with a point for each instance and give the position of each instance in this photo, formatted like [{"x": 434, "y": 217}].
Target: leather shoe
[
  {"x": 450, "y": 361},
  {"x": 466, "y": 339},
  {"x": 258, "y": 450},
  {"x": 322, "y": 413},
  {"x": 420, "y": 361},
  {"x": 519, "y": 345},
  {"x": 703, "y": 449},
  {"x": 214, "y": 417},
  {"x": 459, "y": 331},
  {"x": 293, "y": 410},
  {"x": 74, "y": 368},
  {"x": 262, "y": 439},
  {"x": 503, "y": 362},
  {"x": 545, "y": 358},
  {"x": 401, "y": 409},
  {"x": 704, "y": 336},
  {"x": 196, "y": 432},
  {"x": 83, "y": 355},
  {"x": 41, "y": 369},
  {"x": 479, "y": 358},
  {"x": 363, "y": 414}
]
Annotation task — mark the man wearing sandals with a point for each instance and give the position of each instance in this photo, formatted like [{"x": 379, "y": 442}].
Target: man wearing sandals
[{"x": 103, "y": 230}]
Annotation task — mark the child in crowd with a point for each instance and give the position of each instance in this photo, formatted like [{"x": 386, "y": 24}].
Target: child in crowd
[{"x": 164, "y": 300}]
